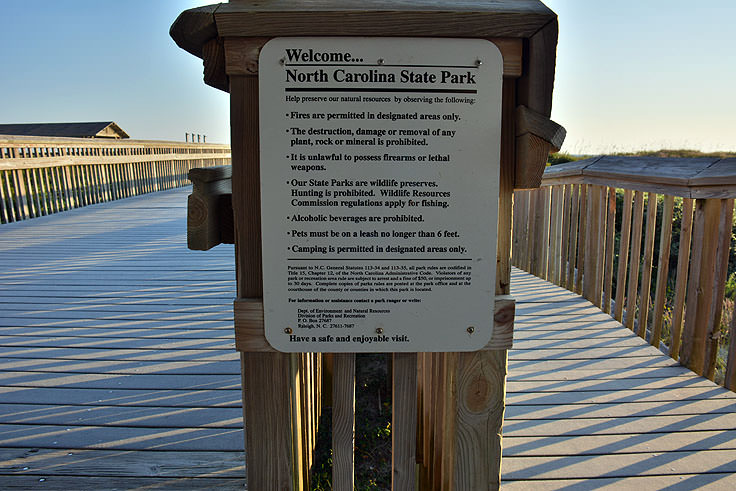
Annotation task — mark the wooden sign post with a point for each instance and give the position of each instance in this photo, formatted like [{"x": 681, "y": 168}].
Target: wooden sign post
[{"x": 375, "y": 152}]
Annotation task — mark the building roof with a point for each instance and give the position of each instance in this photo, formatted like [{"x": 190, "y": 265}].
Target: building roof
[{"x": 102, "y": 129}]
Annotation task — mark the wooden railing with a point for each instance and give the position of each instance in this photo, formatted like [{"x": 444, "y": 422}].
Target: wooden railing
[
  {"x": 44, "y": 175},
  {"x": 591, "y": 229}
]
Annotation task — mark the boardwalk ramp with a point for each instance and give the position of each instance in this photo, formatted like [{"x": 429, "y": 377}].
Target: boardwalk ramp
[{"x": 590, "y": 405}]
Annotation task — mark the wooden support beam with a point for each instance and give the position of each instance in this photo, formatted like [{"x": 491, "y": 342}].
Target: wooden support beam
[
  {"x": 535, "y": 140},
  {"x": 241, "y": 55},
  {"x": 209, "y": 208},
  {"x": 250, "y": 337},
  {"x": 267, "y": 387},
  {"x": 481, "y": 389}
]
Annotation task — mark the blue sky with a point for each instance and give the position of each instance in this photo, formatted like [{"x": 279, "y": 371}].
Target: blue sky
[
  {"x": 630, "y": 74},
  {"x": 100, "y": 60},
  {"x": 646, "y": 74}
]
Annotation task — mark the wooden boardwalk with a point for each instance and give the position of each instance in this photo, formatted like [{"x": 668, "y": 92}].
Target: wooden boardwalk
[
  {"x": 117, "y": 361},
  {"x": 590, "y": 405},
  {"x": 117, "y": 371}
]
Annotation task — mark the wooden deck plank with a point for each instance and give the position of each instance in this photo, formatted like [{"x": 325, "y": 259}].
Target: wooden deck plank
[
  {"x": 140, "y": 416},
  {"x": 535, "y": 325},
  {"x": 538, "y": 413},
  {"x": 118, "y": 332},
  {"x": 716, "y": 481},
  {"x": 551, "y": 319},
  {"x": 116, "y": 354},
  {"x": 121, "y": 438},
  {"x": 128, "y": 381},
  {"x": 623, "y": 425},
  {"x": 521, "y": 336},
  {"x": 671, "y": 371},
  {"x": 62, "y": 483},
  {"x": 621, "y": 465},
  {"x": 622, "y": 364},
  {"x": 116, "y": 463},
  {"x": 117, "y": 397},
  {"x": 114, "y": 323},
  {"x": 619, "y": 397},
  {"x": 592, "y": 353},
  {"x": 132, "y": 342},
  {"x": 124, "y": 367},
  {"x": 555, "y": 446},
  {"x": 516, "y": 386},
  {"x": 574, "y": 344}
]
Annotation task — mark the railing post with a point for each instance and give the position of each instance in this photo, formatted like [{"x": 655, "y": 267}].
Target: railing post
[
  {"x": 665, "y": 242},
  {"x": 594, "y": 246},
  {"x": 713, "y": 335},
  {"x": 635, "y": 260},
  {"x": 610, "y": 211},
  {"x": 565, "y": 245},
  {"x": 646, "y": 276},
  {"x": 576, "y": 197},
  {"x": 698, "y": 311}
]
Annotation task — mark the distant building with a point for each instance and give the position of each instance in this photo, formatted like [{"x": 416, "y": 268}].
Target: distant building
[{"x": 103, "y": 129}]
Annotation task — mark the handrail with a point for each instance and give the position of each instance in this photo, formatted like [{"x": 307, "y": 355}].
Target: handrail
[
  {"x": 44, "y": 175},
  {"x": 586, "y": 229}
]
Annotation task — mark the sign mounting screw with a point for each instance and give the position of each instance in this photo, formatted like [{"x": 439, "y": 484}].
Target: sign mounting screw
[
  {"x": 381, "y": 61},
  {"x": 288, "y": 330},
  {"x": 478, "y": 62},
  {"x": 379, "y": 330},
  {"x": 470, "y": 330}
]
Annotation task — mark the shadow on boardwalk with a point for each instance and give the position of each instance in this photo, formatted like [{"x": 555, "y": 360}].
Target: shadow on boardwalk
[
  {"x": 590, "y": 405},
  {"x": 117, "y": 361}
]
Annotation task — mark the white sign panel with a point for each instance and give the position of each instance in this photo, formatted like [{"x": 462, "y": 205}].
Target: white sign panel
[{"x": 379, "y": 192}]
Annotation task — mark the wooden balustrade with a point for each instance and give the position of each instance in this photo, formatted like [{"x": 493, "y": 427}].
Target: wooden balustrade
[
  {"x": 592, "y": 227},
  {"x": 44, "y": 175}
]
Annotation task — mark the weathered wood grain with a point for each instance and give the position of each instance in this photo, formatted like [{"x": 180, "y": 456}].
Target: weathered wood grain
[
  {"x": 637, "y": 224},
  {"x": 697, "y": 178},
  {"x": 647, "y": 260},
  {"x": 683, "y": 262},
  {"x": 343, "y": 420},
  {"x": 383, "y": 18},
  {"x": 480, "y": 406},
  {"x": 665, "y": 242},
  {"x": 404, "y": 421},
  {"x": 700, "y": 296},
  {"x": 720, "y": 275},
  {"x": 573, "y": 244}
]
